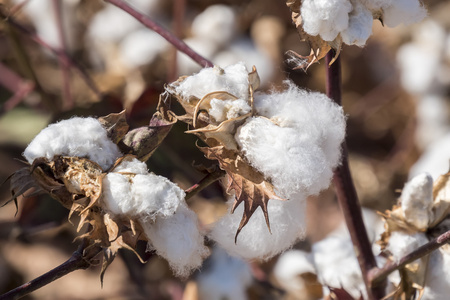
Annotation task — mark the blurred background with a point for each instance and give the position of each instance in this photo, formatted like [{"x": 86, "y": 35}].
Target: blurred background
[{"x": 395, "y": 92}]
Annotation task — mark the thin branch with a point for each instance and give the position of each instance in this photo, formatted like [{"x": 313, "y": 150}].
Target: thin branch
[
  {"x": 34, "y": 37},
  {"x": 171, "y": 38},
  {"x": 346, "y": 192},
  {"x": 206, "y": 181},
  {"x": 63, "y": 61},
  {"x": 78, "y": 261},
  {"x": 16, "y": 85},
  {"x": 379, "y": 274}
]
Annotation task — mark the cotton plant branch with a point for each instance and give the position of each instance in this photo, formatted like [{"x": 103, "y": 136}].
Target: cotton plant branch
[
  {"x": 171, "y": 38},
  {"x": 377, "y": 275},
  {"x": 63, "y": 60},
  {"x": 346, "y": 192},
  {"x": 16, "y": 85},
  {"x": 58, "y": 52},
  {"x": 204, "y": 182},
  {"x": 81, "y": 259}
]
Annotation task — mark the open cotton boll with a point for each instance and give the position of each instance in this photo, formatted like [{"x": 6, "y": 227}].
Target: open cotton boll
[
  {"x": 325, "y": 17},
  {"x": 290, "y": 265},
  {"x": 81, "y": 137},
  {"x": 403, "y": 11},
  {"x": 402, "y": 243},
  {"x": 216, "y": 24},
  {"x": 437, "y": 283},
  {"x": 299, "y": 152},
  {"x": 359, "y": 26},
  {"x": 222, "y": 110},
  {"x": 177, "y": 238},
  {"x": 417, "y": 201},
  {"x": 224, "y": 277},
  {"x": 134, "y": 166},
  {"x": 232, "y": 79},
  {"x": 255, "y": 241},
  {"x": 143, "y": 196}
]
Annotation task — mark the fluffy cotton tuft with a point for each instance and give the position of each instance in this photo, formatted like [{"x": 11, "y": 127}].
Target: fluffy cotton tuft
[
  {"x": 255, "y": 241},
  {"x": 401, "y": 243},
  {"x": 222, "y": 110},
  {"x": 178, "y": 239},
  {"x": 325, "y": 17},
  {"x": 297, "y": 145},
  {"x": 143, "y": 196},
  {"x": 437, "y": 282},
  {"x": 232, "y": 79},
  {"x": 359, "y": 26},
  {"x": 134, "y": 166},
  {"x": 224, "y": 277},
  {"x": 81, "y": 137},
  {"x": 403, "y": 12},
  {"x": 417, "y": 201}
]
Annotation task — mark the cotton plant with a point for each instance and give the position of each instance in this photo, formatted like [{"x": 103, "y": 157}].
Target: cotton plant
[
  {"x": 277, "y": 148},
  {"x": 420, "y": 215},
  {"x": 327, "y": 24},
  {"x": 96, "y": 168}
]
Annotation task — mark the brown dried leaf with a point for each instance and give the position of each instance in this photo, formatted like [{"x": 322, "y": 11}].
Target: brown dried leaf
[
  {"x": 116, "y": 125},
  {"x": 249, "y": 184}
]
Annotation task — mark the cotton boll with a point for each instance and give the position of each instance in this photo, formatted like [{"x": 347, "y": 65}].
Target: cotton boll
[
  {"x": 232, "y": 79},
  {"x": 417, "y": 201},
  {"x": 141, "y": 47},
  {"x": 81, "y": 137},
  {"x": 223, "y": 277},
  {"x": 134, "y": 166},
  {"x": 116, "y": 194},
  {"x": 222, "y": 110},
  {"x": 216, "y": 24},
  {"x": 437, "y": 283},
  {"x": 401, "y": 243},
  {"x": 325, "y": 17},
  {"x": 403, "y": 11},
  {"x": 255, "y": 241},
  {"x": 290, "y": 265},
  {"x": 359, "y": 26},
  {"x": 177, "y": 238}
]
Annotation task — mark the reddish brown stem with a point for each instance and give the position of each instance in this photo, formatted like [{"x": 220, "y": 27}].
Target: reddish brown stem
[
  {"x": 63, "y": 61},
  {"x": 346, "y": 192},
  {"x": 171, "y": 38},
  {"x": 378, "y": 275},
  {"x": 206, "y": 181},
  {"x": 16, "y": 85}
]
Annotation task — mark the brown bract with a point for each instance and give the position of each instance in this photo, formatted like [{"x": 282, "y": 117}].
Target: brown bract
[
  {"x": 319, "y": 47},
  {"x": 413, "y": 275},
  {"x": 249, "y": 185}
]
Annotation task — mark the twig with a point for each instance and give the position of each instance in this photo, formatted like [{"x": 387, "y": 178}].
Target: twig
[
  {"x": 206, "y": 181},
  {"x": 171, "y": 38},
  {"x": 379, "y": 274},
  {"x": 63, "y": 61},
  {"x": 346, "y": 192},
  {"x": 34, "y": 37},
  {"x": 178, "y": 11},
  {"x": 78, "y": 261},
  {"x": 16, "y": 85}
]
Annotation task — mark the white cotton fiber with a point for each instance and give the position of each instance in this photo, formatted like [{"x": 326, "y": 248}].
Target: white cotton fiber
[
  {"x": 290, "y": 265},
  {"x": 232, "y": 79},
  {"x": 224, "y": 277},
  {"x": 287, "y": 222},
  {"x": 417, "y": 201},
  {"x": 177, "y": 238},
  {"x": 325, "y": 17},
  {"x": 133, "y": 165},
  {"x": 81, "y": 137},
  {"x": 142, "y": 196},
  {"x": 222, "y": 110},
  {"x": 437, "y": 280},
  {"x": 300, "y": 145},
  {"x": 402, "y": 243},
  {"x": 359, "y": 26},
  {"x": 403, "y": 12}
]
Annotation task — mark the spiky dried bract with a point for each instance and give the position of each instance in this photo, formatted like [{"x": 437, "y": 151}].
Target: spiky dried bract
[
  {"x": 423, "y": 207},
  {"x": 326, "y": 24}
]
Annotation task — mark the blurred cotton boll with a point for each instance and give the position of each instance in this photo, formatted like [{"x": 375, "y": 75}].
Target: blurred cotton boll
[
  {"x": 255, "y": 241},
  {"x": 80, "y": 137},
  {"x": 223, "y": 277}
]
